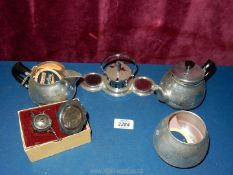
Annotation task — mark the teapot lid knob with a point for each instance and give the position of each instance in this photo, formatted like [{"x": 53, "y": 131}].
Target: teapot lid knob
[{"x": 189, "y": 64}]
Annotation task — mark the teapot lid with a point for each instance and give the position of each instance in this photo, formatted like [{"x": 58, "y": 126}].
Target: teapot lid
[{"x": 188, "y": 72}]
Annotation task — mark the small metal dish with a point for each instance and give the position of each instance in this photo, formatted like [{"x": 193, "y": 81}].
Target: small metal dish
[
  {"x": 71, "y": 117},
  {"x": 143, "y": 86},
  {"x": 92, "y": 82}
]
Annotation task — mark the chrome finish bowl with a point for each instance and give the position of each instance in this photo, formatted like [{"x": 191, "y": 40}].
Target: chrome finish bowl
[{"x": 181, "y": 139}]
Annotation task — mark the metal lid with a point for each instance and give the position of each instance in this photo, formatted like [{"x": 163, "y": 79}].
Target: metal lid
[{"x": 188, "y": 72}]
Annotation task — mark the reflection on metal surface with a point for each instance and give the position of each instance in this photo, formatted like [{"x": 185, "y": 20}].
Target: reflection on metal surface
[
  {"x": 92, "y": 82},
  {"x": 118, "y": 78},
  {"x": 181, "y": 139},
  {"x": 119, "y": 71},
  {"x": 183, "y": 87},
  {"x": 51, "y": 82},
  {"x": 143, "y": 86},
  {"x": 47, "y": 82},
  {"x": 42, "y": 123},
  {"x": 72, "y": 117}
]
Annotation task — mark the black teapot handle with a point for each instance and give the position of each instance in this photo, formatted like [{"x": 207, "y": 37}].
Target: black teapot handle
[
  {"x": 209, "y": 68},
  {"x": 20, "y": 72}
]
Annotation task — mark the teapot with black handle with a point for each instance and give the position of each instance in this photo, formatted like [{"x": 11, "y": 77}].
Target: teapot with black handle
[
  {"x": 47, "y": 82},
  {"x": 184, "y": 86}
]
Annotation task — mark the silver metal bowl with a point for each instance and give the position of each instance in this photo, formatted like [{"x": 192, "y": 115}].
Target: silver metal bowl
[{"x": 181, "y": 139}]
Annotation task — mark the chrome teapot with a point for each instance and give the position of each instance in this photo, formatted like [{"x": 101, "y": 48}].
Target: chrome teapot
[
  {"x": 47, "y": 82},
  {"x": 183, "y": 87}
]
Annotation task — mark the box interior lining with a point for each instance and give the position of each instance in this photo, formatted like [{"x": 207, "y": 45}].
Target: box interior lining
[{"x": 30, "y": 136}]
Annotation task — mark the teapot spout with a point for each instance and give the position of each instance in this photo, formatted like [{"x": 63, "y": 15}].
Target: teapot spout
[
  {"x": 72, "y": 76},
  {"x": 161, "y": 94}
]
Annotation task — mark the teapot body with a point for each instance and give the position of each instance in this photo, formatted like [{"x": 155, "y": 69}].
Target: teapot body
[
  {"x": 47, "y": 82},
  {"x": 45, "y": 94},
  {"x": 181, "y": 95}
]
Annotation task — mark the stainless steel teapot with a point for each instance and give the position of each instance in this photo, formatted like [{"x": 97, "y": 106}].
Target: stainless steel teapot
[
  {"x": 183, "y": 87},
  {"x": 47, "y": 82}
]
